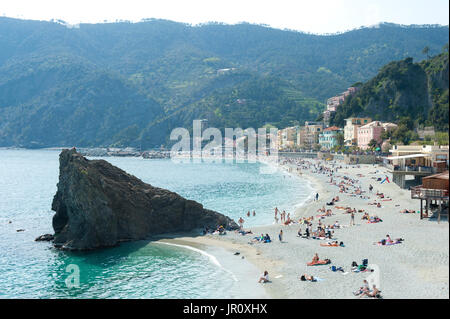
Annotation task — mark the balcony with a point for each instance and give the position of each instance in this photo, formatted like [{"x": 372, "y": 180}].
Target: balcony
[
  {"x": 419, "y": 170},
  {"x": 418, "y": 192}
]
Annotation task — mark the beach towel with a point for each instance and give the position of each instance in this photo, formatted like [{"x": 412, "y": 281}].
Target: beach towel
[
  {"x": 320, "y": 262},
  {"x": 329, "y": 245}
]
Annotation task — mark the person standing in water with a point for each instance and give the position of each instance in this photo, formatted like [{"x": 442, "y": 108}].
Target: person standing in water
[
  {"x": 317, "y": 196},
  {"x": 241, "y": 222}
]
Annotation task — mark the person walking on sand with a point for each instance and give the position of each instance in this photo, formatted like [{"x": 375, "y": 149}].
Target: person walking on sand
[
  {"x": 280, "y": 236},
  {"x": 352, "y": 219}
]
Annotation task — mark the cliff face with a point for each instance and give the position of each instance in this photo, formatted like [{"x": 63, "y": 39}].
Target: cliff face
[
  {"x": 418, "y": 91},
  {"x": 99, "y": 205}
]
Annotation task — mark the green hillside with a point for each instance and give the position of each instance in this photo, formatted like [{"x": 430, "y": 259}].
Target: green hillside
[
  {"x": 131, "y": 83},
  {"x": 412, "y": 94}
]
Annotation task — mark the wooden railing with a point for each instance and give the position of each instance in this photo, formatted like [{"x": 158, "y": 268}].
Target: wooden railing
[{"x": 427, "y": 193}]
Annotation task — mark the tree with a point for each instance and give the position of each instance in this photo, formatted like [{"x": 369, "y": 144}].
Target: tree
[
  {"x": 373, "y": 143},
  {"x": 425, "y": 51},
  {"x": 340, "y": 139}
]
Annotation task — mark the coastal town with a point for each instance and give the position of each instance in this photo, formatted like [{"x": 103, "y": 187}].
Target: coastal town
[{"x": 232, "y": 158}]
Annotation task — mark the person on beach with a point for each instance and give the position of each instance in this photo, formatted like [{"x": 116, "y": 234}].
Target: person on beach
[
  {"x": 374, "y": 294},
  {"x": 299, "y": 233},
  {"x": 280, "y": 236},
  {"x": 363, "y": 289},
  {"x": 352, "y": 219},
  {"x": 264, "y": 278},
  {"x": 317, "y": 196},
  {"x": 315, "y": 258},
  {"x": 241, "y": 222},
  {"x": 305, "y": 277},
  {"x": 389, "y": 240}
]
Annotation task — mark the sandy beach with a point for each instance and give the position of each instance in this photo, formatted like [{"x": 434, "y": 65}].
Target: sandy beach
[{"x": 416, "y": 268}]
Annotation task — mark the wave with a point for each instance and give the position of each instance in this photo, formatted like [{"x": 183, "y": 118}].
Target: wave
[{"x": 211, "y": 258}]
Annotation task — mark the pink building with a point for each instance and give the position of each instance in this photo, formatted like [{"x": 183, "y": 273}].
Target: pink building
[{"x": 372, "y": 131}]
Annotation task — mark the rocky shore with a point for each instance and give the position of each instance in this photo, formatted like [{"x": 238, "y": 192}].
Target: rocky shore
[{"x": 99, "y": 205}]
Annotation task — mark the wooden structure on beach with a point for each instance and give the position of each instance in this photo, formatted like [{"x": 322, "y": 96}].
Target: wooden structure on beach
[
  {"x": 434, "y": 191},
  {"x": 416, "y": 161}
]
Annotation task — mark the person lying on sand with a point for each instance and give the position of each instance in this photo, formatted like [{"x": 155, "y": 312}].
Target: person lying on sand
[
  {"x": 407, "y": 211},
  {"x": 334, "y": 243},
  {"x": 374, "y": 219},
  {"x": 389, "y": 241},
  {"x": 305, "y": 277},
  {"x": 375, "y": 293}
]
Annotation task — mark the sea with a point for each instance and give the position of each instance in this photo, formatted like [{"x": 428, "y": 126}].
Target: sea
[{"x": 140, "y": 269}]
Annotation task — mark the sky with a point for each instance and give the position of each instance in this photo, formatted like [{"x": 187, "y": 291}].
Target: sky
[{"x": 314, "y": 16}]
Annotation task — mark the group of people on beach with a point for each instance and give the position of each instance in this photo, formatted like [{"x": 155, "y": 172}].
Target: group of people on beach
[
  {"x": 285, "y": 217},
  {"x": 314, "y": 226}
]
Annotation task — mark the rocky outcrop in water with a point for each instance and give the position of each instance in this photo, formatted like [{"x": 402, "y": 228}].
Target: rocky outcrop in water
[{"x": 99, "y": 205}]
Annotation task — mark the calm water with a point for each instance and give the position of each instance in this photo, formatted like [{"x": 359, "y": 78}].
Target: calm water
[{"x": 30, "y": 269}]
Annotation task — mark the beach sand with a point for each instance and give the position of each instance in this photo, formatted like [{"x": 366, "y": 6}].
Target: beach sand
[{"x": 417, "y": 268}]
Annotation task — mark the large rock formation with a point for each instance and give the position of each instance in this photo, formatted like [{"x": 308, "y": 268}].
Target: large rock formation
[{"x": 99, "y": 205}]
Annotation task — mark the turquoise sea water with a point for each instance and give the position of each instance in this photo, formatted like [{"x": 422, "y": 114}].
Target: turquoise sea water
[{"x": 30, "y": 269}]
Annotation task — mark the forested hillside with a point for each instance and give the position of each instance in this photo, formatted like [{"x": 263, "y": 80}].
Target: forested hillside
[
  {"x": 408, "y": 93},
  {"x": 131, "y": 83}
]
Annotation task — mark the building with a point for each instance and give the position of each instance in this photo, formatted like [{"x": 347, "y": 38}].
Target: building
[
  {"x": 372, "y": 131},
  {"x": 334, "y": 102},
  {"x": 434, "y": 188},
  {"x": 426, "y": 131},
  {"x": 351, "y": 129},
  {"x": 328, "y": 138},
  {"x": 287, "y": 137},
  {"x": 309, "y": 134},
  {"x": 427, "y": 155},
  {"x": 410, "y": 163}
]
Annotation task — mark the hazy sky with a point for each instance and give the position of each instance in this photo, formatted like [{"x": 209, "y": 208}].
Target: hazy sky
[{"x": 317, "y": 16}]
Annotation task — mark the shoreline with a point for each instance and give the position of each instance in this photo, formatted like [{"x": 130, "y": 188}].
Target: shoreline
[
  {"x": 252, "y": 254},
  {"x": 413, "y": 269}
]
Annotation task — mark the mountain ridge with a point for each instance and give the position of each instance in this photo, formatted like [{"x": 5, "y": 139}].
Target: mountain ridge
[{"x": 167, "y": 70}]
